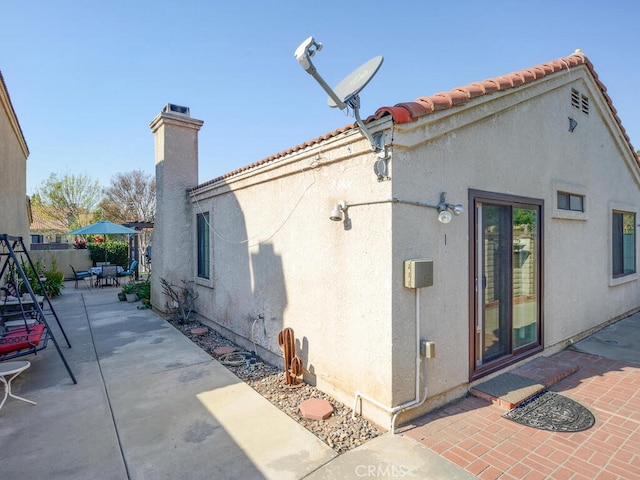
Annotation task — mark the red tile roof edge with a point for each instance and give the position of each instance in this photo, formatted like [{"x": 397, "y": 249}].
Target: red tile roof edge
[
  {"x": 460, "y": 95},
  {"x": 411, "y": 111}
]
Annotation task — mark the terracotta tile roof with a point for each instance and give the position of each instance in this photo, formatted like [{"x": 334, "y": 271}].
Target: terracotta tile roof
[
  {"x": 41, "y": 223},
  {"x": 411, "y": 111}
]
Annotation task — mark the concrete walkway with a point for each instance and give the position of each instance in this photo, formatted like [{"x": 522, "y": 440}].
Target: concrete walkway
[{"x": 150, "y": 404}]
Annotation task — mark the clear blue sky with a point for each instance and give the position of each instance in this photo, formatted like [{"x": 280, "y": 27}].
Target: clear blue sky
[{"x": 86, "y": 78}]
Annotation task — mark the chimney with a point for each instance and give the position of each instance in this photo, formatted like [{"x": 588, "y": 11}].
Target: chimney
[{"x": 176, "y": 159}]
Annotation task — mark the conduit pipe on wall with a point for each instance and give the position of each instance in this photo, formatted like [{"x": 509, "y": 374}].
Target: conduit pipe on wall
[
  {"x": 416, "y": 402},
  {"x": 343, "y": 206}
]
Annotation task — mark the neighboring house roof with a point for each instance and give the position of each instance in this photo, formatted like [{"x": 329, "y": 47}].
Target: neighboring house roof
[
  {"x": 5, "y": 100},
  {"x": 422, "y": 106},
  {"x": 44, "y": 224}
]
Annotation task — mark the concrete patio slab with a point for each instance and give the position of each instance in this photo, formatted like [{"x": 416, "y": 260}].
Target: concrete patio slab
[{"x": 391, "y": 456}]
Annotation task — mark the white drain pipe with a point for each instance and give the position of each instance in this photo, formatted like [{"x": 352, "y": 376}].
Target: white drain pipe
[{"x": 416, "y": 402}]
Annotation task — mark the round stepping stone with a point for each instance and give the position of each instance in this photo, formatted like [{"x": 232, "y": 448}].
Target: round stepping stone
[
  {"x": 316, "y": 409},
  {"x": 200, "y": 331},
  {"x": 219, "y": 351}
]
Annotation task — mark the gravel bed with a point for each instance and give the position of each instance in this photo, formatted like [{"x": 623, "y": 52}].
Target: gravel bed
[{"x": 340, "y": 431}]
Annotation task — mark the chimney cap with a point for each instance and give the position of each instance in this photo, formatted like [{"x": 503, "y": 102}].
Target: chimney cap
[{"x": 177, "y": 109}]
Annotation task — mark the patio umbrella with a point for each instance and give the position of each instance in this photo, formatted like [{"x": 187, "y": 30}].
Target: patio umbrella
[{"x": 103, "y": 227}]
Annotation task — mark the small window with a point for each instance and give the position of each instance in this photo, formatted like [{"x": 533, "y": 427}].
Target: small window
[
  {"x": 202, "y": 221},
  {"x": 579, "y": 101},
  {"x": 570, "y": 201},
  {"x": 623, "y": 243}
]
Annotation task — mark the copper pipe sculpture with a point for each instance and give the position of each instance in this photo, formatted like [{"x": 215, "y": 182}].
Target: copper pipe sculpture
[{"x": 292, "y": 363}]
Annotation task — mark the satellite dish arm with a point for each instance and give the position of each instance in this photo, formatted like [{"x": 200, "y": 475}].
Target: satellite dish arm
[
  {"x": 303, "y": 54},
  {"x": 355, "y": 104}
]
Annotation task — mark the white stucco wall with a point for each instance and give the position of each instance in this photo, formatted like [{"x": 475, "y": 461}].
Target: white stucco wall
[
  {"x": 278, "y": 261},
  {"x": 515, "y": 143},
  {"x": 14, "y": 218},
  {"x": 276, "y": 254}
]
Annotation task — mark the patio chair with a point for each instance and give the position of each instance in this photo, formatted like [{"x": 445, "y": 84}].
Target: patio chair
[
  {"x": 81, "y": 276},
  {"x": 109, "y": 273},
  {"x": 131, "y": 272}
]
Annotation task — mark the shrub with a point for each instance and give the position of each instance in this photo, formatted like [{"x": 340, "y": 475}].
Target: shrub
[
  {"x": 144, "y": 291},
  {"x": 181, "y": 302},
  {"x": 117, "y": 253},
  {"x": 79, "y": 244},
  {"x": 142, "y": 288},
  {"x": 53, "y": 278}
]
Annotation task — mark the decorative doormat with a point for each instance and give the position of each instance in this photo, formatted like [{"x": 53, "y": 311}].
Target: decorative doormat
[{"x": 551, "y": 411}]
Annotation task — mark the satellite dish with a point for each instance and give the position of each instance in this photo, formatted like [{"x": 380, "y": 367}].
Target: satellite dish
[
  {"x": 346, "y": 93},
  {"x": 353, "y": 83}
]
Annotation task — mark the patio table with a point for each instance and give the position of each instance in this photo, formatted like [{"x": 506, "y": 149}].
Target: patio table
[
  {"x": 98, "y": 272},
  {"x": 14, "y": 369}
]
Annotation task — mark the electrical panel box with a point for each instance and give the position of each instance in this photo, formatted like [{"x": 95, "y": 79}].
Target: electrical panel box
[{"x": 418, "y": 273}]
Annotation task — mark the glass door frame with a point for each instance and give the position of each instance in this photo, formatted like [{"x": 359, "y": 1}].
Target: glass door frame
[{"x": 476, "y": 290}]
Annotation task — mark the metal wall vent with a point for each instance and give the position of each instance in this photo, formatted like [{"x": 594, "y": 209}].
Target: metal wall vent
[{"x": 579, "y": 101}]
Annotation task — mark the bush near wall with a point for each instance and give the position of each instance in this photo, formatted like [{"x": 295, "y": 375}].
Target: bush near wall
[{"x": 117, "y": 253}]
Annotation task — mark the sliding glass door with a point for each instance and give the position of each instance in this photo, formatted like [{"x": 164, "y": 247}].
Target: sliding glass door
[{"x": 506, "y": 290}]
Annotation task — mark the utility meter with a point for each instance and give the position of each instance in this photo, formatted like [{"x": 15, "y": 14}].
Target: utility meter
[{"x": 418, "y": 273}]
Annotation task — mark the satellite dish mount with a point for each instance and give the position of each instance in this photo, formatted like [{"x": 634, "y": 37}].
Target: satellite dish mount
[{"x": 346, "y": 93}]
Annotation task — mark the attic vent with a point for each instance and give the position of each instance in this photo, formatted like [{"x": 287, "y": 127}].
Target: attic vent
[{"x": 579, "y": 101}]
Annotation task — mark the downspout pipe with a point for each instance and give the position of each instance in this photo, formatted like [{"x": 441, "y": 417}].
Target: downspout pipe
[{"x": 416, "y": 402}]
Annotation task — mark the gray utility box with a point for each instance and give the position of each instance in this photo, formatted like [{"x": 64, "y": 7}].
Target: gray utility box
[{"x": 418, "y": 273}]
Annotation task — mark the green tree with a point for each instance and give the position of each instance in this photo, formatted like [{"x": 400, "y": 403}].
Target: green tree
[{"x": 70, "y": 201}]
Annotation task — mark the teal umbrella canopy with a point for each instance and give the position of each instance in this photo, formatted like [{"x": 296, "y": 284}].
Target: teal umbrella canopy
[{"x": 103, "y": 227}]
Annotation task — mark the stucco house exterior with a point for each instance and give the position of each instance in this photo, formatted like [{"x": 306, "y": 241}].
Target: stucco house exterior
[
  {"x": 389, "y": 305},
  {"x": 14, "y": 204}
]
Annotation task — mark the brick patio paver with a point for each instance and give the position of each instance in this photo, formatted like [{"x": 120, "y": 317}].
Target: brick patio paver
[{"x": 472, "y": 433}]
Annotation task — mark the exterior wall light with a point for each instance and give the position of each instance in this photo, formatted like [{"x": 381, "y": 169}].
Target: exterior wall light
[
  {"x": 337, "y": 213},
  {"x": 447, "y": 210},
  {"x": 444, "y": 216},
  {"x": 572, "y": 124}
]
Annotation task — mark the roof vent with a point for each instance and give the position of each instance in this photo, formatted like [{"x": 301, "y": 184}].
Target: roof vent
[
  {"x": 579, "y": 101},
  {"x": 178, "y": 109}
]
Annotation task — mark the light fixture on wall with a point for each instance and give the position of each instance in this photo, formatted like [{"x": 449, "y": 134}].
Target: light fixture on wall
[
  {"x": 572, "y": 124},
  {"x": 337, "y": 213},
  {"x": 447, "y": 210}
]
